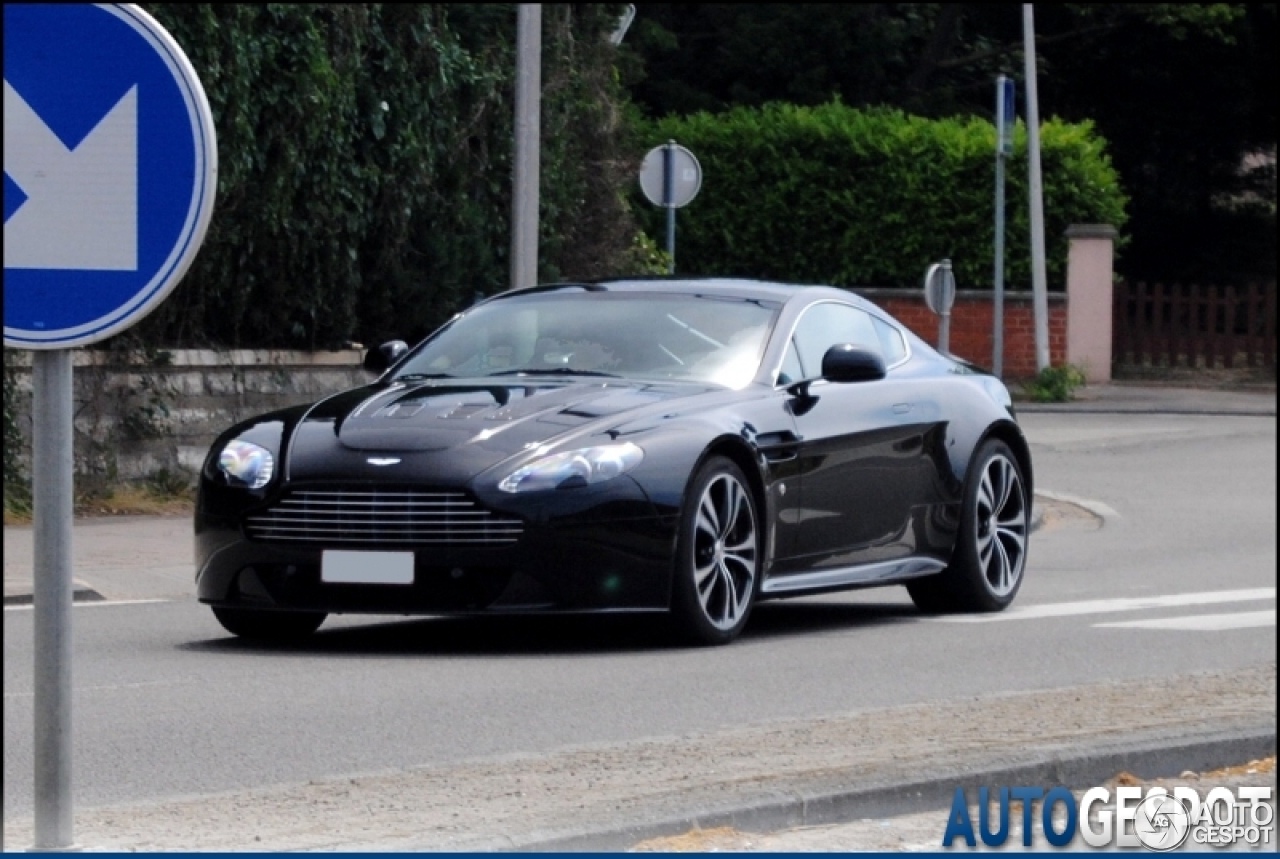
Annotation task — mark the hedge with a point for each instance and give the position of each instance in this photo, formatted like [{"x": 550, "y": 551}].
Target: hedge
[{"x": 832, "y": 194}]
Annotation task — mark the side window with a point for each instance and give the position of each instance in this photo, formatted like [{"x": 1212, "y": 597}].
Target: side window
[
  {"x": 892, "y": 346},
  {"x": 827, "y": 324}
]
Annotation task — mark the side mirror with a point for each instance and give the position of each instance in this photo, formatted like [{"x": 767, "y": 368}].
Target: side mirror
[
  {"x": 378, "y": 360},
  {"x": 845, "y": 362}
]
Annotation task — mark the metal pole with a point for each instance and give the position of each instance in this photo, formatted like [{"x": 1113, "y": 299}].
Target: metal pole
[
  {"x": 944, "y": 315},
  {"x": 668, "y": 195},
  {"x": 997, "y": 313},
  {"x": 52, "y": 517},
  {"x": 528, "y": 122},
  {"x": 997, "y": 308},
  {"x": 1039, "y": 287}
]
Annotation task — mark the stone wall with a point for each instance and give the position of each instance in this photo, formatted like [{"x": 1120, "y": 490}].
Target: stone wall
[{"x": 133, "y": 421}]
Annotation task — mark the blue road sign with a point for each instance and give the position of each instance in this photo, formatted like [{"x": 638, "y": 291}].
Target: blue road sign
[
  {"x": 110, "y": 170},
  {"x": 1006, "y": 115}
]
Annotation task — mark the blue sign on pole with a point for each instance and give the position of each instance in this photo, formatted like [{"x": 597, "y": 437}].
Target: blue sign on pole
[
  {"x": 1006, "y": 114},
  {"x": 110, "y": 170}
]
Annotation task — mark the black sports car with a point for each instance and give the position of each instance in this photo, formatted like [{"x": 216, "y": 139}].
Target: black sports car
[{"x": 681, "y": 446}]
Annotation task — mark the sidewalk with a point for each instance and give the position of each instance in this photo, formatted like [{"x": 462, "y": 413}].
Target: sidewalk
[{"x": 1130, "y": 398}]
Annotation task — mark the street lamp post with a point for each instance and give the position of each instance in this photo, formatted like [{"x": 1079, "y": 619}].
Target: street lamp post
[
  {"x": 528, "y": 121},
  {"x": 1039, "y": 288}
]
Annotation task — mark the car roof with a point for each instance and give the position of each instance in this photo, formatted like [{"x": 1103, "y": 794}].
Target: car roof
[{"x": 766, "y": 290}]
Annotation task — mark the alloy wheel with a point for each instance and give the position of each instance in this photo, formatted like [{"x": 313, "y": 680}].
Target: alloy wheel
[
  {"x": 724, "y": 551},
  {"x": 1001, "y": 522}
]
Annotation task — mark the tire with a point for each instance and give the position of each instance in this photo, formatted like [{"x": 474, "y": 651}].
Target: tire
[
  {"x": 990, "y": 556},
  {"x": 273, "y": 626},
  {"x": 718, "y": 555}
]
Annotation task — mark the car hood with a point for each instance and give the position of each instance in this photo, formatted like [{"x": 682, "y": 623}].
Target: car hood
[{"x": 455, "y": 430}]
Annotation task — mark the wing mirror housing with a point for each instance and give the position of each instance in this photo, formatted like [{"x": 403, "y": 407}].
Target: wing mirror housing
[
  {"x": 379, "y": 359},
  {"x": 846, "y": 362}
]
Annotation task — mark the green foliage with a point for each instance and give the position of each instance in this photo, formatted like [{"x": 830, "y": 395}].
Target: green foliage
[
  {"x": 851, "y": 197},
  {"x": 1184, "y": 94},
  {"x": 1055, "y": 384},
  {"x": 17, "y": 485},
  {"x": 364, "y": 152}
]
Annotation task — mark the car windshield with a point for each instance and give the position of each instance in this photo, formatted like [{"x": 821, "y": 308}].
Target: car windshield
[{"x": 629, "y": 335}]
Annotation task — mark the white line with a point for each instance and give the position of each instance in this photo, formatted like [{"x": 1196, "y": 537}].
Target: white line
[
  {"x": 1202, "y": 622},
  {"x": 87, "y": 603},
  {"x": 1066, "y": 609},
  {"x": 113, "y": 687}
]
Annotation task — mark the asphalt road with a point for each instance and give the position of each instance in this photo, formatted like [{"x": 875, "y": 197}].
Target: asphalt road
[{"x": 1175, "y": 514}]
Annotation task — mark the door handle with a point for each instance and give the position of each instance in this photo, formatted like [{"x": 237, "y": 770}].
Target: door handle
[{"x": 902, "y": 408}]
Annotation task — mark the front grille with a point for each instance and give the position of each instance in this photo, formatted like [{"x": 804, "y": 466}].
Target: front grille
[{"x": 389, "y": 517}]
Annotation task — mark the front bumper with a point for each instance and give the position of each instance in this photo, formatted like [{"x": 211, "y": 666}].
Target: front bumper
[{"x": 580, "y": 561}]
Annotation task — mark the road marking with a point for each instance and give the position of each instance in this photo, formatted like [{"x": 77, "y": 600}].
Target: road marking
[
  {"x": 1201, "y": 622},
  {"x": 1067, "y": 609},
  {"x": 114, "y": 687},
  {"x": 88, "y": 603}
]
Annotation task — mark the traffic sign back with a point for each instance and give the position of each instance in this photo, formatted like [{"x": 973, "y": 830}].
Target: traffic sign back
[{"x": 110, "y": 170}]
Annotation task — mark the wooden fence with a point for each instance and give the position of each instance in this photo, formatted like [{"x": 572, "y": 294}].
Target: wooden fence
[{"x": 1190, "y": 325}]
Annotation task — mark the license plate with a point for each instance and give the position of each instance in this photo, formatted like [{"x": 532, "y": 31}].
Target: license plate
[{"x": 366, "y": 568}]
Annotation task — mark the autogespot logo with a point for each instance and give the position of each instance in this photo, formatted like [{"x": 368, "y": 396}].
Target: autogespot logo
[
  {"x": 1161, "y": 822},
  {"x": 1157, "y": 819}
]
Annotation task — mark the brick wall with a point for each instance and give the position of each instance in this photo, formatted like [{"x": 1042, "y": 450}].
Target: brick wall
[{"x": 972, "y": 328}]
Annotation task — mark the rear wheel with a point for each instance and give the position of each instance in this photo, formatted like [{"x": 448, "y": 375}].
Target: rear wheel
[
  {"x": 991, "y": 549},
  {"x": 275, "y": 626},
  {"x": 718, "y": 559}
]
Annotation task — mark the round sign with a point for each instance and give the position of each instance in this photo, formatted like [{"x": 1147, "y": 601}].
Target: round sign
[
  {"x": 686, "y": 175},
  {"x": 940, "y": 287},
  {"x": 110, "y": 170}
]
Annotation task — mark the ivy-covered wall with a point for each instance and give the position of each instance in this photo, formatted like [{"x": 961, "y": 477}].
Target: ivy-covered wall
[{"x": 364, "y": 166}]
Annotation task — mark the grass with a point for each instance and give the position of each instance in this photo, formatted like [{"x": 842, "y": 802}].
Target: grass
[
  {"x": 1054, "y": 384},
  {"x": 125, "y": 499}
]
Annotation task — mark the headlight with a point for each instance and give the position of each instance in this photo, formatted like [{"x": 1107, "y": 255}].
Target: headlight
[
  {"x": 247, "y": 463},
  {"x": 574, "y": 468}
]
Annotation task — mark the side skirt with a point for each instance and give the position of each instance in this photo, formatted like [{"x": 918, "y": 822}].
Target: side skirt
[{"x": 880, "y": 573}]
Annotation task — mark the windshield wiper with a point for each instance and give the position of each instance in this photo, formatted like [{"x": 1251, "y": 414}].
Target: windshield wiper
[
  {"x": 421, "y": 377},
  {"x": 552, "y": 371}
]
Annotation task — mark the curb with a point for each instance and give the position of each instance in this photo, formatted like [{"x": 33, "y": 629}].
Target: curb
[
  {"x": 1086, "y": 409},
  {"x": 79, "y": 594},
  {"x": 1152, "y": 759}
]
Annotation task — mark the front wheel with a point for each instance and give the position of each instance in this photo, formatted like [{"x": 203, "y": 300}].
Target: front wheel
[
  {"x": 273, "y": 626},
  {"x": 991, "y": 549},
  {"x": 718, "y": 555}
]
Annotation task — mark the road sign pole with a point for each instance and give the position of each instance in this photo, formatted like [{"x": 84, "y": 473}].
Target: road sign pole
[
  {"x": 668, "y": 200},
  {"x": 1004, "y": 144},
  {"x": 52, "y": 497},
  {"x": 939, "y": 296},
  {"x": 96, "y": 235},
  {"x": 1039, "y": 285},
  {"x": 670, "y": 177}
]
